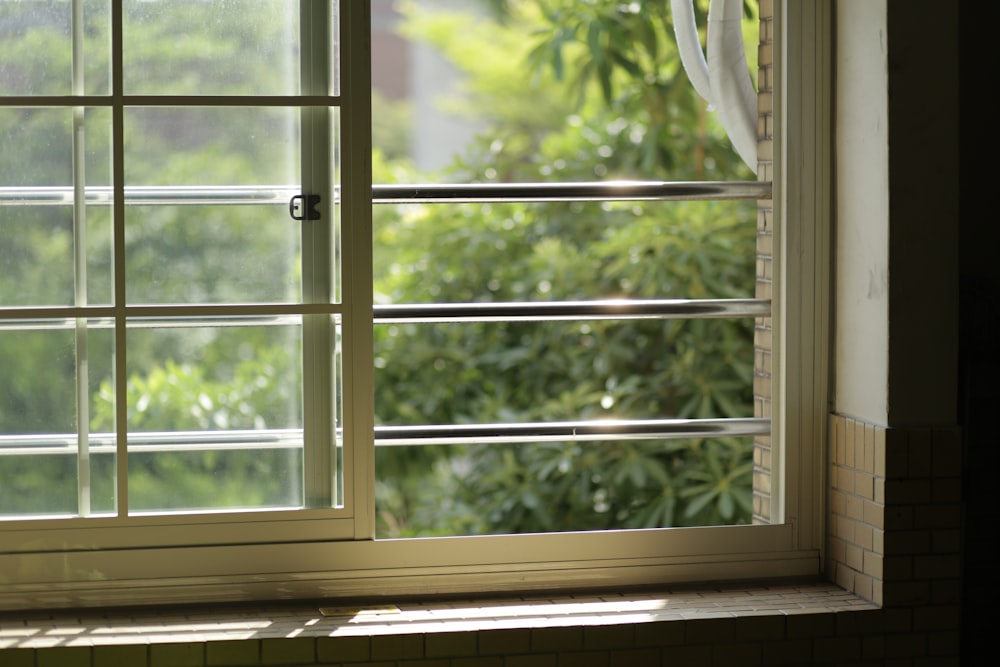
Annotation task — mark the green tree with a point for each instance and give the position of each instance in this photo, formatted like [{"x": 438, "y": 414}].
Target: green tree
[{"x": 551, "y": 111}]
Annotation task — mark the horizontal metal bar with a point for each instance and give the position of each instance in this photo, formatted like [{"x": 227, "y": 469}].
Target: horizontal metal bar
[
  {"x": 651, "y": 429},
  {"x": 152, "y": 323},
  {"x": 152, "y": 195},
  {"x": 609, "y": 309},
  {"x": 395, "y": 436},
  {"x": 104, "y": 443},
  {"x": 56, "y": 317},
  {"x": 36, "y": 319},
  {"x": 400, "y": 194},
  {"x": 549, "y": 192},
  {"x": 54, "y": 324},
  {"x": 17, "y": 102}
]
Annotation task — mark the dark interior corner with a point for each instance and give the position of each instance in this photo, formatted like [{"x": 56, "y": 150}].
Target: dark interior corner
[{"x": 978, "y": 330}]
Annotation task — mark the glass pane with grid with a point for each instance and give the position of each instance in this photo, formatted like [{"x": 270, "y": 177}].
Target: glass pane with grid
[{"x": 161, "y": 318}]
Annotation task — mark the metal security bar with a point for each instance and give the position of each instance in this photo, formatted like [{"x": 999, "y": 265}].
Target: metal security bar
[
  {"x": 609, "y": 309},
  {"x": 402, "y": 194},
  {"x": 146, "y": 196},
  {"x": 178, "y": 441},
  {"x": 608, "y": 430},
  {"x": 562, "y": 192},
  {"x": 389, "y": 436}
]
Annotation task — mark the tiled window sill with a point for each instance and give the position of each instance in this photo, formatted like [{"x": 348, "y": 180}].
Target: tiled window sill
[{"x": 202, "y": 625}]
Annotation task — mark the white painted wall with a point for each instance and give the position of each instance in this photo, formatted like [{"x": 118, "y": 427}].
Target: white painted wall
[
  {"x": 861, "y": 262},
  {"x": 896, "y": 213}
]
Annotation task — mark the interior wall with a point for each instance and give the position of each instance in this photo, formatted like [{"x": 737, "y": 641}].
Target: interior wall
[
  {"x": 979, "y": 356},
  {"x": 861, "y": 173},
  {"x": 924, "y": 212},
  {"x": 896, "y": 213}
]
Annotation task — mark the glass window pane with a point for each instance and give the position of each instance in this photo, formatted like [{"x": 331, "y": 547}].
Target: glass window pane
[
  {"x": 39, "y": 233},
  {"x": 100, "y": 261},
  {"x": 193, "y": 47},
  {"x": 203, "y": 254},
  {"x": 37, "y": 42},
  {"x": 48, "y": 463},
  {"x": 96, "y": 344},
  {"x": 36, "y": 256},
  {"x": 215, "y": 414},
  {"x": 170, "y": 146},
  {"x": 237, "y": 475},
  {"x": 37, "y": 484},
  {"x": 95, "y": 225},
  {"x": 335, "y": 42},
  {"x": 222, "y": 374},
  {"x": 38, "y": 392},
  {"x": 216, "y": 225},
  {"x": 41, "y": 139},
  {"x": 216, "y": 212}
]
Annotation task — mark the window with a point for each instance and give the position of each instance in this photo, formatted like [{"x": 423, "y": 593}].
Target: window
[
  {"x": 203, "y": 392},
  {"x": 173, "y": 274}
]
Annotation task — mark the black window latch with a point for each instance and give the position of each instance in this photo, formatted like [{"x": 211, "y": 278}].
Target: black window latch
[{"x": 303, "y": 207}]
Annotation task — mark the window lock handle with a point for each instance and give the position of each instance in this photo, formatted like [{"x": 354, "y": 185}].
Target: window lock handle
[{"x": 303, "y": 207}]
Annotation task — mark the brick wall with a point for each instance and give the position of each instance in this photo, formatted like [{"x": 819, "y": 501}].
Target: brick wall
[
  {"x": 762, "y": 329},
  {"x": 895, "y": 515}
]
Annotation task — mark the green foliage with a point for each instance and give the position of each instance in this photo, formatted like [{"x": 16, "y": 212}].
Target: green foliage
[
  {"x": 391, "y": 121},
  {"x": 255, "y": 394},
  {"x": 521, "y": 372},
  {"x": 623, "y": 56}
]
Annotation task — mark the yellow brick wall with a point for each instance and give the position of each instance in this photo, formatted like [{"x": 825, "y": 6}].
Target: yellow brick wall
[
  {"x": 762, "y": 328},
  {"x": 895, "y": 514}
]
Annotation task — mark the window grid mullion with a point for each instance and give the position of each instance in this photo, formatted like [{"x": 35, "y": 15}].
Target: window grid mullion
[
  {"x": 79, "y": 151},
  {"x": 118, "y": 274},
  {"x": 317, "y": 330}
]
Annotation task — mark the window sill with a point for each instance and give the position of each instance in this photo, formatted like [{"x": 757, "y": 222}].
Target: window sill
[{"x": 300, "y": 634}]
